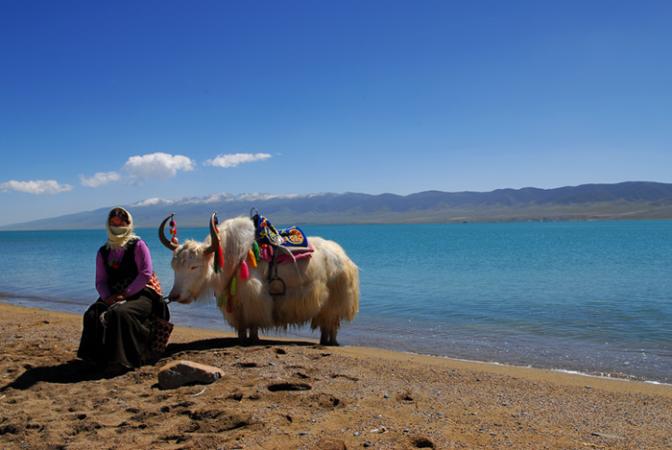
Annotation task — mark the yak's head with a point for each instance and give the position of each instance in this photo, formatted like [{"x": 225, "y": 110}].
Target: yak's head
[{"x": 191, "y": 263}]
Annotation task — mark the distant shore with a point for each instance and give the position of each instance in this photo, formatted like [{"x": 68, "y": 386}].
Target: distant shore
[
  {"x": 333, "y": 220},
  {"x": 616, "y": 201},
  {"x": 352, "y": 397}
]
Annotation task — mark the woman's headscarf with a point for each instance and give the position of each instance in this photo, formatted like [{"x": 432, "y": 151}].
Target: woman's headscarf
[{"x": 118, "y": 237}]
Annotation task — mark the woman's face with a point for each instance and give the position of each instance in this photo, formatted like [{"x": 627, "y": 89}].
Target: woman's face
[{"x": 116, "y": 221}]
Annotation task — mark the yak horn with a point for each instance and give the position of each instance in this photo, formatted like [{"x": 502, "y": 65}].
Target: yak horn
[
  {"x": 214, "y": 235},
  {"x": 170, "y": 245}
]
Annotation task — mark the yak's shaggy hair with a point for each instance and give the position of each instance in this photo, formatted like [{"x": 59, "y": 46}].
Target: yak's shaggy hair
[{"x": 322, "y": 289}]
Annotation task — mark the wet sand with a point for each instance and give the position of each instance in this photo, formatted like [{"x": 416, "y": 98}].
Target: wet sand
[{"x": 296, "y": 394}]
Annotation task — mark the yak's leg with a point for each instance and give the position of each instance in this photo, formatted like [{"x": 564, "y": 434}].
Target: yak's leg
[
  {"x": 328, "y": 336},
  {"x": 254, "y": 335},
  {"x": 332, "y": 337},
  {"x": 242, "y": 336},
  {"x": 328, "y": 332},
  {"x": 324, "y": 337}
]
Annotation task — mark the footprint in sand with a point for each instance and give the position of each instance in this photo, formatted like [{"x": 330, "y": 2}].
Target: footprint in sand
[
  {"x": 327, "y": 401},
  {"x": 347, "y": 377},
  {"x": 422, "y": 442},
  {"x": 405, "y": 397},
  {"x": 246, "y": 365},
  {"x": 275, "y": 387},
  {"x": 237, "y": 396},
  {"x": 215, "y": 421},
  {"x": 178, "y": 438}
]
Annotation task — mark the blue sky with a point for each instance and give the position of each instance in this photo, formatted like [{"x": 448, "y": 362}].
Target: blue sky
[{"x": 361, "y": 96}]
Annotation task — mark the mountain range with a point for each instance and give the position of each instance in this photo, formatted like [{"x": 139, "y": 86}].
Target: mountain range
[{"x": 627, "y": 200}]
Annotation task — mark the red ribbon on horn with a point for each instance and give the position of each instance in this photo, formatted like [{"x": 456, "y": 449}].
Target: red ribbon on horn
[
  {"x": 173, "y": 230},
  {"x": 219, "y": 253}
]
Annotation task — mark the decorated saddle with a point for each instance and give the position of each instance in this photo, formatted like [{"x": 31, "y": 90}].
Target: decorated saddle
[{"x": 288, "y": 244}]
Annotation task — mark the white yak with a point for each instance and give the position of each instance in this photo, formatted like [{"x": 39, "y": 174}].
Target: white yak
[{"x": 322, "y": 289}]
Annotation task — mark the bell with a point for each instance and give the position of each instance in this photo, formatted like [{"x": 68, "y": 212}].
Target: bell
[{"x": 277, "y": 286}]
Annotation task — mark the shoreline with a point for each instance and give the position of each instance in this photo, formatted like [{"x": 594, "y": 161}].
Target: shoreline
[
  {"x": 353, "y": 397},
  {"x": 568, "y": 377},
  {"x": 615, "y": 375}
]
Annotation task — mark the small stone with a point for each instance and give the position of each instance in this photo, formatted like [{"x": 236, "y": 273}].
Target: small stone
[
  {"x": 179, "y": 373},
  {"x": 356, "y": 433}
]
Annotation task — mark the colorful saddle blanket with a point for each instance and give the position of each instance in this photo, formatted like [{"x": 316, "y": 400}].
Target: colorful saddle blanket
[{"x": 292, "y": 239}]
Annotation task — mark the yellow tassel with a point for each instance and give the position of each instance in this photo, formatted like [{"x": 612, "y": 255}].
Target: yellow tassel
[
  {"x": 252, "y": 259},
  {"x": 221, "y": 300},
  {"x": 234, "y": 286}
]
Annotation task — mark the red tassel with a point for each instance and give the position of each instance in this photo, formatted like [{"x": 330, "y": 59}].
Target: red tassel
[
  {"x": 219, "y": 261},
  {"x": 244, "y": 271}
]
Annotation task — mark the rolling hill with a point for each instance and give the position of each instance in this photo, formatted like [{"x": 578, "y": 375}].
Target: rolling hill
[{"x": 627, "y": 200}]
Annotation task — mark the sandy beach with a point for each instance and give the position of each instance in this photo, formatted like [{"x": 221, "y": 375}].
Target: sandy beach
[{"x": 296, "y": 394}]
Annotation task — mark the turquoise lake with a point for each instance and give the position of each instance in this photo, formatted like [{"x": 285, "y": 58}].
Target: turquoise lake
[{"x": 594, "y": 297}]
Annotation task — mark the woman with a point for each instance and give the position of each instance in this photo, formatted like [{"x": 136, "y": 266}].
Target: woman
[{"x": 118, "y": 326}]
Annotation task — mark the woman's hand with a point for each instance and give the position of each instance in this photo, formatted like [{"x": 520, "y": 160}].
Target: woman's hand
[{"x": 112, "y": 299}]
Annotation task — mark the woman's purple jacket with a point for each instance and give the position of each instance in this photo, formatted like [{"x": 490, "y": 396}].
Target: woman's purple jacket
[{"x": 142, "y": 259}]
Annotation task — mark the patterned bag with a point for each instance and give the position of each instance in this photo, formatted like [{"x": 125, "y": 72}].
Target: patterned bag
[{"x": 161, "y": 330}]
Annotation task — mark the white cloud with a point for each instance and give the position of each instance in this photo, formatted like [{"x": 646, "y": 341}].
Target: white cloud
[
  {"x": 99, "y": 179},
  {"x": 236, "y": 159},
  {"x": 153, "y": 201},
  {"x": 157, "y": 165},
  {"x": 35, "y": 186},
  {"x": 258, "y": 196}
]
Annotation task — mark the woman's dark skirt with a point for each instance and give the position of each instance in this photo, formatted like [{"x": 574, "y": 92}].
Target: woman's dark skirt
[{"x": 124, "y": 339}]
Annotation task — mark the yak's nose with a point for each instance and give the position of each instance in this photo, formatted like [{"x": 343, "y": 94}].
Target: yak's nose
[{"x": 173, "y": 296}]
